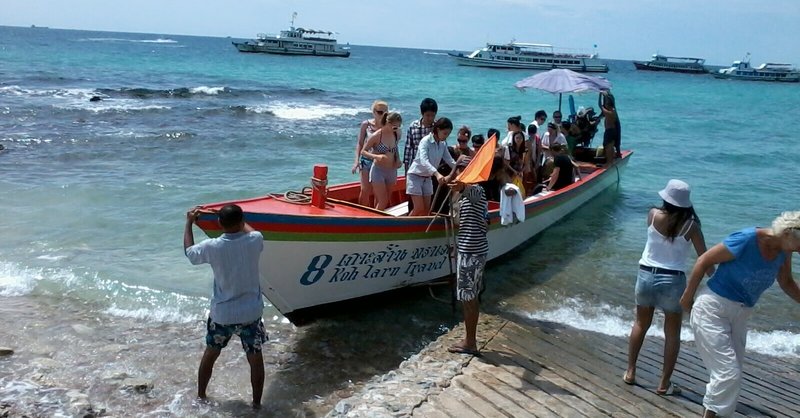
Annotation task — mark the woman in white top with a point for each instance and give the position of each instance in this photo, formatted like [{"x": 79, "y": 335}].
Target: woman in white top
[{"x": 672, "y": 230}]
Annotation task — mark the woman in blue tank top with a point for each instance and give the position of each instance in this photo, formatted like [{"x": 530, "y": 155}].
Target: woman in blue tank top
[
  {"x": 672, "y": 230},
  {"x": 749, "y": 262}
]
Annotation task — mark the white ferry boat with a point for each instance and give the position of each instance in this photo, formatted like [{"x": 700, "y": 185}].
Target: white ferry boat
[
  {"x": 741, "y": 70},
  {"x": 530, "y": 56},
  {"x": 673, "y": 64},
  {"x": 295, "y": 41}
]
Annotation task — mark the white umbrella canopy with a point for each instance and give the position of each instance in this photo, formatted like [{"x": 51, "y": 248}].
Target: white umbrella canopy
[{"x": 563, "y": 81}]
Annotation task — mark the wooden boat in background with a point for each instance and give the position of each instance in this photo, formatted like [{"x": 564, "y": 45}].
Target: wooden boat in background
[{"x": 335, "y": 249}]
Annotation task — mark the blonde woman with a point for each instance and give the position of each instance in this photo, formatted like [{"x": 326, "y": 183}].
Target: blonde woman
[
  {"x": 749, "y": 262},
  {"x": 381, "y": 148},
  {"x": 368, "y": 127}
]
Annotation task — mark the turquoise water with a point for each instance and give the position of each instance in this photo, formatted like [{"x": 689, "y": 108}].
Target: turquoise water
[{"x": 94, "y": 193}]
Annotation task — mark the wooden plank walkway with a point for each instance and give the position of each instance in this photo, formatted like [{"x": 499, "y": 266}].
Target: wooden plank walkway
[{"x": 540, "y": 369}]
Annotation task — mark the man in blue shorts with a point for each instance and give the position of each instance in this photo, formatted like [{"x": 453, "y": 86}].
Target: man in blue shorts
[{"x": 236, "y": 304}]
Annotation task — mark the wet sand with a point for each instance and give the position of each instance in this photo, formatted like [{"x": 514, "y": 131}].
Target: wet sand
[
  {"x": 71, "y": 359},
  {"x": 384, "y": 358}
]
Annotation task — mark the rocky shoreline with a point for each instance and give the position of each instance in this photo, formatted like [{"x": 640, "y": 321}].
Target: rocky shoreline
[{"x": 398, "y": 392}]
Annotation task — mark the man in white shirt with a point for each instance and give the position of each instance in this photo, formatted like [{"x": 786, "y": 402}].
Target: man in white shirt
[
  {"x": 552, "y": 136},
  {"x": 236, "y": 304}
]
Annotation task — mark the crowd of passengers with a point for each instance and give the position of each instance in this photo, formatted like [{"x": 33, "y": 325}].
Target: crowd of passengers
[{"x": 535, "y": 158}]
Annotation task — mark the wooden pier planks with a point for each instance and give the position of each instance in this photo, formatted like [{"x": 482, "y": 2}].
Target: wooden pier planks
[{"x": 541, "y": 369}]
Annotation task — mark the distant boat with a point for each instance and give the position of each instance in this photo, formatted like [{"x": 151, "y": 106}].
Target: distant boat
[
  {"x": 673, "y": 64},
  {"x": 521, "y": 55},
  {"x": 741, "y": 70},
  {"x": 295, "y": 41}
]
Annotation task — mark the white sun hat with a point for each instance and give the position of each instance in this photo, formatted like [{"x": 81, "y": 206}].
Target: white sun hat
[{"x": 677, "y": 193}]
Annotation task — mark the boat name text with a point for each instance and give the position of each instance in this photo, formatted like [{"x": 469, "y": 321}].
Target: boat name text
[{"x": 375, "y": 265}]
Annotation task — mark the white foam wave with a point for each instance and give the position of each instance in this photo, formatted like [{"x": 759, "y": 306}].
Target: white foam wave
[
  {"x": 15, "y": 90},
  {"x": 15, "y": 281},
  {"x": 48, "y": 257},
  {"x": 156, "y": 41},
  {"x": 617, "y": 321},
  {"x": 18, "y": 281},
  {"x": 207, "y": 90},
  {"x": 294, "y": 111},
  {"x": 158, "y": 314},
  {"x": 26, "y": 140},
  {"x": 149, "y": 41},
  {"x": 111, "y": 106},
  {"x": 434, "y": 53}
]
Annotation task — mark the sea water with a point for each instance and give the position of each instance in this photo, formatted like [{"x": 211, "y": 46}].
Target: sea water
[{"x": 94, "y": 195}]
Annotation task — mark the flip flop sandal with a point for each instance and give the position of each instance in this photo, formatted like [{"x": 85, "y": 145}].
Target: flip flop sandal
[
  {"x": 672, "y": 389},
  {"x": 628, "y": 381}
]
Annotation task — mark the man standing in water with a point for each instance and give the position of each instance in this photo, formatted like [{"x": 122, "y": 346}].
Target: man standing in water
[
  {"x": 472, "y": 249},
  {"x": 613, "y": 132},
  {"x": 236, "y": 304}
]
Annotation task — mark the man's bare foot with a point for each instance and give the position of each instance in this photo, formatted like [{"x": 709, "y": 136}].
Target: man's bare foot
[{"x": 463, "y": 349}]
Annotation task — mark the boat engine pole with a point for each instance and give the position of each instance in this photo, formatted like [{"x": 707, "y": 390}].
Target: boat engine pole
[{"x": 319, "y": 183}]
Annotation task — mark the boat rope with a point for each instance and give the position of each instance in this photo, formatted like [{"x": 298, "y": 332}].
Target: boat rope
[
  {"x": 292, "y": 196},
  {"x": 303, "y": 197}
]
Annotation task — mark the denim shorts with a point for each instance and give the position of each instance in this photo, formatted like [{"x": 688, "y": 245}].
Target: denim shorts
[
  {"x": 660, "y": 290},
  {"x": 365, "y": 163},
  {"x": 253, "y": 335},
  {"x": 418, "y": 185}
]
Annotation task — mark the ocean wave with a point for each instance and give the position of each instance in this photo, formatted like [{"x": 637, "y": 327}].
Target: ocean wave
[
  {"x": 157, "y": 314},
  {"x": 130, "y": 301},
  {"x": 156, "y": 41},
  {"x": 15, "y": 90},
  {"x": 177, "y": 135},
  {"x": 147, "y": 41},
  {"x": 179, "y": 92},
  {"x": 213, "y": 91},
  {"x": 19, "y": 281},
  {"x": 617, "y": 321},
  {"x": 111, "y": 107},
  {"x": 26, "y": 140},
  {"x": 296, "y": 111},
  {"x": 434, "y": 53}
]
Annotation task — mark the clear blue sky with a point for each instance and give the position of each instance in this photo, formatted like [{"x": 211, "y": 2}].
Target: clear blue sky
[{"x": 720, "y": 31}]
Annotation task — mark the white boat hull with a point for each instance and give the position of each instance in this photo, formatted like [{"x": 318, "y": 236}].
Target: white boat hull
[
  {"x": 494, "y": 63},
  {"x": 299, "y": 274}
]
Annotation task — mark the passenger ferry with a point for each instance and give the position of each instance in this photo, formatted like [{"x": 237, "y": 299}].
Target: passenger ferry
[
  {"x": 673, "y": 64},
  {"x": 742, "y": 70},
  {"x": 295, "y": 41},
  {"x": 530, "y": 56}
]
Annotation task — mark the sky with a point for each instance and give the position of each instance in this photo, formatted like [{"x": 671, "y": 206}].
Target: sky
[{"x": 720, "y": 31}]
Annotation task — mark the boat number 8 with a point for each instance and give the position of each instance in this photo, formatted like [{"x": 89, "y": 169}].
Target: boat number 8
[{"x": 315, "y": 269}]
